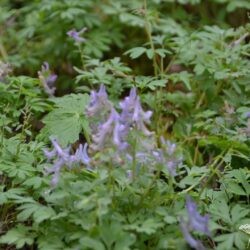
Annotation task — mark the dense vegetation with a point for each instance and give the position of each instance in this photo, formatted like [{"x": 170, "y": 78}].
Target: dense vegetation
[{"x": 124, "y": 124}]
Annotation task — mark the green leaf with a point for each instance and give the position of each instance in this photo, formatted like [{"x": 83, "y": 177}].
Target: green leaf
[
  {"x": 34, "y": 182},
  {"x": 226, "y": 241},
  {"x": 87, "y": 242},
  {"x": 43, "y": 213},
  {"x": 50, "y": 242},
  {"x": 185, "y": 78},
  {"x": 18, "y": 236},
  {"x": 241, "y": 240},
  {"x": 238, "y": 213},
  {"x": 38, "y": 211},
  {"x": 124, "y": 241},
  {"x": 199, "y": 69},
  {"x": 242, "y": 177},
  {"x": 135, "y": 52},
  {"x": 150, "y": 53},
  {"x": 234, "y": 4},
  {"x": 65, "y": 126},
  {"x": 221, "y": 210},
  {"x": 235, "y": 188},
  {"x": 157, "y": 83},
  {"x": 67, "y": 120},
  {"x": 162, "y": 52},
  {"x": 131, "y": 19},
  {"x": 224, "y": 143},
  {"x": 149, "y": 226}
]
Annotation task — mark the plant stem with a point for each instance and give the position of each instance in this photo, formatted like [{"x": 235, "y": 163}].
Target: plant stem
[
  {"x": 213, "y": 167},
  {"x": 148, "y": 29}
]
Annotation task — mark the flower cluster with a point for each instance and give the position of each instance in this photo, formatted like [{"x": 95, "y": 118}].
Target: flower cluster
[
  {"x": 169, "y": 156},
  {"x": 117, "y": 126},
  {"x": 76, "y": 35},
  {"x": 113, "y": 128},
  {"x": 98, "y": 102},
  {"x": 62, "y": 157},
  {"x": 47, "y": 79},
  {"x": 195, "y": 222},
  {"x": 166, "y": 156},
  {"x": 132, "y": 113}
]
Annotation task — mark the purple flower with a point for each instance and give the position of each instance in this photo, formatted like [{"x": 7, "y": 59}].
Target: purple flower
[
  {"x": 196, "y": 244},
  {"x": 119, "y": 135},
  {"x": 127, "y": 105},
  {"x": 106, "y": 130},
  {"x": 130, "y": 174},
  {"x": 57, "y": 151},
  {"x": 100, "y": 106},
  {"x": 171, "y": 166},
  {"x": 171, "y": 147},
  {"x": 171, "y": 160},
  {"x": 140, "y": 117},
  {"x": 114, "y": 125},
  {"x": 47, "y": 79},
  {"x": 62, "y": 157},
  {"x": 195, "y": 222},
  {"x": 98, "y": 101},
  {"x": 81, "y": 155},
  {"x": 45, "y": 66},
  {"x": 132, "y": 113},
  {"x": 167, "y": 155},
  {"x": 247, "y": 115},
  {"x": 76, "y": 35}
]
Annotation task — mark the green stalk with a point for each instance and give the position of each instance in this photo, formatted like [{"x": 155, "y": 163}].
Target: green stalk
[{"x": 148, "y": 29}]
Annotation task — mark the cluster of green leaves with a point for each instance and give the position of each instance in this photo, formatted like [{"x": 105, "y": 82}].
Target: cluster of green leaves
[{"x": 188, "y": 59}]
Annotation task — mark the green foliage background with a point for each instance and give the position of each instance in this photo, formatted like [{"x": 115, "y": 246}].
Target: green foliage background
[{"x": 188, "y": 59}]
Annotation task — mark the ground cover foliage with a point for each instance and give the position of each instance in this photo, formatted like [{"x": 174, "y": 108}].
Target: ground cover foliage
[{"x": 124, "y": 124}]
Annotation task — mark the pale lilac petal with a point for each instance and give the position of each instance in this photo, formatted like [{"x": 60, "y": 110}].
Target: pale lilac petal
[
  {"x": 49, "y": 154},
  {"x": 171, "y": 147},
  {"x": 147, "y": 115},
  {"x": 45, "y": 66},
  {"x": 82, "y": 154},
  {"x": 51, "y": 79},
  {"x": 104, "y": 131},
  {"x": 196, "y": 244},
  {"x": 171, "y": 166},
  {"x": 130, "y": 174},
  {"x": 62, "y": 153},
  {"x": 247, "y": 115},
  {"x": 98, "y": 101},
  {"x": 62, "y": 157},
  {"x": 137, "y": 110},
  {"x": 132, "y": 113},
  {"x": 47, "y": 79},
  {"x": 76, "y": 35},
  {"x": 102, "y": 94},
  {"x": 196, "y": 221}
]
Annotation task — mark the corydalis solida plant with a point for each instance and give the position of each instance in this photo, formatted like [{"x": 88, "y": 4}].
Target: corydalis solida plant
[{"x": 115, "y": 128}]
